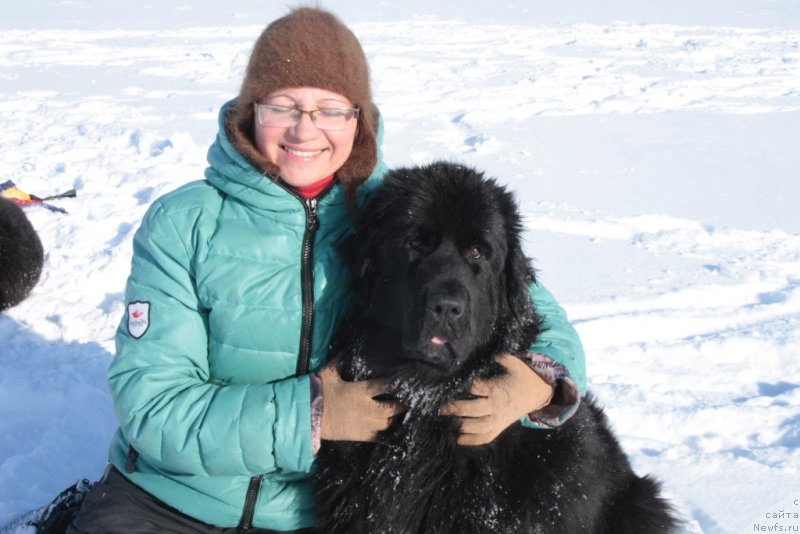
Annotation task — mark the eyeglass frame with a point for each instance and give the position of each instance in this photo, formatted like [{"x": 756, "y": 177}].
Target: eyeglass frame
[{"x": 311, "y": 114}]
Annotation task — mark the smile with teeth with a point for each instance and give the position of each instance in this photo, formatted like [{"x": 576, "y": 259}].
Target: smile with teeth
[{"x": 302, "y": 153}]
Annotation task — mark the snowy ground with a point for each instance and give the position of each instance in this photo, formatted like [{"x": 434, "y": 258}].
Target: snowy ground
[{"x": 653, "y": 148}]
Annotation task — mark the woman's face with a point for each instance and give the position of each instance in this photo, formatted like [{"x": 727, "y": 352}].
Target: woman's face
[{"x": 304, "y": 153}]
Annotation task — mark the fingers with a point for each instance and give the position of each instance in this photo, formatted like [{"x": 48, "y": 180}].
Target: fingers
[
  {"x": 375, "y": 386},
  {"x": 350, "y": 411},
  {"x": 363, "y": 409},
  {"x": 479, "y": 423},
  {"x": 482, "y": 388},
  {"x": 492, "y": 397},
  {"x": 497, "y": 389},
  {"x": 480, "y": 407},
  {"x": 478, "y": 431},
  {"x": 483, "y": 418}
]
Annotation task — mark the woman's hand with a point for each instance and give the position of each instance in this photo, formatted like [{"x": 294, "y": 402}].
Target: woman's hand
[
  {"x": 350, "y": 411},
  {"x": 500, "y": 402}
]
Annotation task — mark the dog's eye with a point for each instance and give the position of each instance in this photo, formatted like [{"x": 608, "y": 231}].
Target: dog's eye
[
  {"x": 416, "y": 244},
  {"x": 419, "y": 243},
  {"x": 475, "y": 253}
]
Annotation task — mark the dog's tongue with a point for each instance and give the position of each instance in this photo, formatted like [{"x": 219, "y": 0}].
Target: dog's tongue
[{"x": 438, "y": 340}]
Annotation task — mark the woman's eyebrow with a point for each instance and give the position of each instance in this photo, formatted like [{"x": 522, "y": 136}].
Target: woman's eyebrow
[
  {"x": 321, "y": 100},
  {"x": 281, "y": 96}
]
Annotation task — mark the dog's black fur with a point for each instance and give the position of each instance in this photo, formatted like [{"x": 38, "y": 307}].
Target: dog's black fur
[
  {"x": 436, "y": 256},
  {"x": 21, "y": 255}
]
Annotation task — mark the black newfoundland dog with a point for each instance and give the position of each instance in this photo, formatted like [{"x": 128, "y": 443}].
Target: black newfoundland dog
[
  {"x": 442, "y": 284},
  {"x": 21, "y": 255}
]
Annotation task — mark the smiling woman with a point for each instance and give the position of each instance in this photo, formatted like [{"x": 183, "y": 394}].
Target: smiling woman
[
  {"x": 289, "y": 69},
  {"x": 305, "y": 150},
  {"x": 236, "y": 283}
]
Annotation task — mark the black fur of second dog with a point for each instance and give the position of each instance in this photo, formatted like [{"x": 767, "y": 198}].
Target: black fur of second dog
[
  {"x": 437, "y": 254},
  {"x": 21, "y": 255}
]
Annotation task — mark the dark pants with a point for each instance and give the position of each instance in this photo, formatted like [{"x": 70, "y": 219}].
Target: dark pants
[{"x": 116, "y": 505}]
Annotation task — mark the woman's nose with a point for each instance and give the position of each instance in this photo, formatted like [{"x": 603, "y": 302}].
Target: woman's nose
[{"x": 305, "y": 128}]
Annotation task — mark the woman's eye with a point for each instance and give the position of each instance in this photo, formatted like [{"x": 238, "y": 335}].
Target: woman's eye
[
  {"x": 334, "y": 113},
  {"x": 279, "y": 111}
]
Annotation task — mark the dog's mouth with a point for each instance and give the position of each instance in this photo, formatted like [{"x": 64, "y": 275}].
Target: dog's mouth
[
  {"x": 442, "y": 344},
  {"x": 439, "y": 367},
  {"x": 438, "y": 352}
]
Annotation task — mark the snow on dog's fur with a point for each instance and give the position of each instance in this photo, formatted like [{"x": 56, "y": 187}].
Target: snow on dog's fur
[{"x": 442, "y": 285}]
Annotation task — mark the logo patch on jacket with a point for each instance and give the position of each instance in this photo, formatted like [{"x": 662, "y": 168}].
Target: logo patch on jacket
[{"x": 138, "y": 318}]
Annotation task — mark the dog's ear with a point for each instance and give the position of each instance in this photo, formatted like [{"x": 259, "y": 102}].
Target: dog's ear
[
  {"x": 519, "y": 274},
  {"x": 358, "y": 253},
  {"x": 363, "y": 248}
]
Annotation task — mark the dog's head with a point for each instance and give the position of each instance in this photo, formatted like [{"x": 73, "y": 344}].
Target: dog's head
[{"x": 437, "y": 264}]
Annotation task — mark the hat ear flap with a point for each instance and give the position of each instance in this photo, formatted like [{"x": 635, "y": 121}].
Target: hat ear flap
[{"x": 364, "y": 156}]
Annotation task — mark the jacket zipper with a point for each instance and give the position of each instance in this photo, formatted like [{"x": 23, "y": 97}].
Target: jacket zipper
[
  {"x": 307, "y": 275},
  {"x": 130, "y": 464},
  {"x": 307, "y": 284},
  {"x": 250, "y": 504},
  {"x": 306, "y": 331}
]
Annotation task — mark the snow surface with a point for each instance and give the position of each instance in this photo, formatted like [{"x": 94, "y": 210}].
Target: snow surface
[{"x": 653, "y": 146}]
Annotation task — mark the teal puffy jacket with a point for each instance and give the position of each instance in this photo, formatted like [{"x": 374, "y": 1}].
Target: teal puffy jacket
[{"x": 210, "y": 382}]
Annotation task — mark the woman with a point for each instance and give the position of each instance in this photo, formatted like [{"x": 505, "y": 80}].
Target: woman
[{"x": 219, "y": 382}]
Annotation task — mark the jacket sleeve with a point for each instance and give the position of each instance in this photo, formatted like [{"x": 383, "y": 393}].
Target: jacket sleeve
[
  {"x": 557, "y": 356},
  {"x": 558, "y": 340},
  {"x": 169, "y": 410}
]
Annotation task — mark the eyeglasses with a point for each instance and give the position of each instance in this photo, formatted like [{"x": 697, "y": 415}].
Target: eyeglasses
[{"x": 333, "y": 119}]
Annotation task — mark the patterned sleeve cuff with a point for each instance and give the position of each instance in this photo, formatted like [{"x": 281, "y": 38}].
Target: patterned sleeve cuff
[
  {"x": 316, "y": 413},
  {"x": 566, "y": 396}
]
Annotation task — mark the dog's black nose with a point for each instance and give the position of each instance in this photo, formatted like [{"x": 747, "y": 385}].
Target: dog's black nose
[{"x": 445, "y": 307}]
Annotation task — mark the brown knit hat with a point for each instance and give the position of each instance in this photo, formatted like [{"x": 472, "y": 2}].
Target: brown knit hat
[{"x": 309, "y": 48}]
